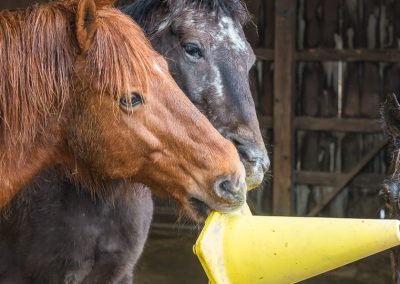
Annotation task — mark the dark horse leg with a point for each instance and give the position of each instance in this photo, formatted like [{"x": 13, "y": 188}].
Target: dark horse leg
[{"x": 59, "y": 234}]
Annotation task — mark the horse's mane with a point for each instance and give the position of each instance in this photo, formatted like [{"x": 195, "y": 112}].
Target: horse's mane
[
  {"x": 38, "y": 50},
  {"x": 147, "y": 12}
]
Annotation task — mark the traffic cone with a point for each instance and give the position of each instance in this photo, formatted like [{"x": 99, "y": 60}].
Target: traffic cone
[{"x": 244, "y": 249}]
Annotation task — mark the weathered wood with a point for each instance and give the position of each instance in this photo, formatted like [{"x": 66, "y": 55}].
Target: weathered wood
[
  {"x": 332, "y": 179},
  {"x": 330, "y": 54},
  {"x": 265, "y": 121},
  {"x": 346, "y": 178},
  {"x": 266, "y": 54},
  {"x": 363, "y": 125},
  {"x": 312, "y": 36},
  {"x": 269, "y": 24},
  {"x": 283, "y": 106},
  {"x": 338, "y": 124}
]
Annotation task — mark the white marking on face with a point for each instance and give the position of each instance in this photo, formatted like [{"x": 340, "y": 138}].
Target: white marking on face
[
  {"x": 229, "y": 32},
  {"x": 217, "y": 82}
]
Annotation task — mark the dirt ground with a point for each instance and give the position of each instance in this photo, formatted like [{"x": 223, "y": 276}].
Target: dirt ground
[{"x": 168, "y": 259}]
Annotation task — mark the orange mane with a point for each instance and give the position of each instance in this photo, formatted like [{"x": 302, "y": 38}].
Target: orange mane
[{"x": 38, "y": 50}]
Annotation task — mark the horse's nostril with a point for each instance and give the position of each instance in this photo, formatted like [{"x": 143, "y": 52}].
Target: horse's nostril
[
  {"x": 226, "y": 186},
  {"x": 226, "y": 189},
  {"x": 255, "y": 158}
]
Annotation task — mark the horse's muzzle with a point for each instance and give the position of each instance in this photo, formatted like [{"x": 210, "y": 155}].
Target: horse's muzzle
[
  {"x": 256, "y": 164},
  {"x": 254, "y": 158}
]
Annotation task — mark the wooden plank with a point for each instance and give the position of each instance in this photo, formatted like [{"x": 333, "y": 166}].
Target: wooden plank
[
  {"x": 268, "y": 34},
  {"x": 332, "y": 179},
  {"x": 265, "y": 121},
  {"x": 338, "y": 124},
  {"x": 265, "y": 54},
  {"x": 346, "y": 178},
  {"x": 284, "y": 78},
  {"x": 332, "y": 54},
  {"x": 359, "y": 125}
]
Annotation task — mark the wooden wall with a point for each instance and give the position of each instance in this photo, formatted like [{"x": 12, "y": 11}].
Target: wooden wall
[{"x": 332, "y": 63}]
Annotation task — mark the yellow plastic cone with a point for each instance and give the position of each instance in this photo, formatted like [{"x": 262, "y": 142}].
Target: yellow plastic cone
[{"x": 245, "y": 249}]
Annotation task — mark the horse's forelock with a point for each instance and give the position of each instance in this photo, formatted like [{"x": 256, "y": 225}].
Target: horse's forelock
[
  {"x": 37, "y": 53},
  {"x": 121, "y": 54},
  {"x": 147, "y": 12}
]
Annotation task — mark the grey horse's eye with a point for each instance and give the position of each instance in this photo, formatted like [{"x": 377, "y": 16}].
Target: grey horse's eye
[
  {"x": 131, "y": 101},
  {"x": 193, "y": 50}
]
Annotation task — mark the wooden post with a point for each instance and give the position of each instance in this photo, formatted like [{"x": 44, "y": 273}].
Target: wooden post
[{"x": 284, "y": 81}]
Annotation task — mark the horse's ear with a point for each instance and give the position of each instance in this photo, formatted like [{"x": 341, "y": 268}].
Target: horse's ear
[{"x": 85, "y": 23}]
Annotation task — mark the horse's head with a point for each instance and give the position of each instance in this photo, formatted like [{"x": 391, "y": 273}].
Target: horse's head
[
  {"x": 390, "y": 189},
  {"x": 129, "y": 119},
  {"x": 209, "y": 57},
  {"x": 390, "y": 114}
]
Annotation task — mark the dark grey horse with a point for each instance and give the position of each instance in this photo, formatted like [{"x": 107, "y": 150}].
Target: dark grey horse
[
  {"x": 209, "y": 57},
  {"x": 56, "y": 232},
  {"x": 390, "y": 113}
]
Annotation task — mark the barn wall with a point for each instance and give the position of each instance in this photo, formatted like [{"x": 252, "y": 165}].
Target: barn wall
[{"x": 329, "y": 96}]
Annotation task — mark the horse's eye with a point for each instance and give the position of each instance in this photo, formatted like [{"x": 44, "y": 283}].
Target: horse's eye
[
  {"x": 132, "y": 101},
  {"x": 193, "y": 50}
]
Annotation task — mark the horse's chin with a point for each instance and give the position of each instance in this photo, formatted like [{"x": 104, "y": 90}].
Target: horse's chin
[
  {"x": 254, "y": 180},
  {"x": 197, "y": 210}
]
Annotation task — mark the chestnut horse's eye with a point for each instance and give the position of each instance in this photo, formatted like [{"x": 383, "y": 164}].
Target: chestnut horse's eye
[
  {"x": 130, "y": 102},
  {"x": 193, "y": 50}
]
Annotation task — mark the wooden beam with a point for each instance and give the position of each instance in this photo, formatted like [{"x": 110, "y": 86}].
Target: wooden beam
[
  {"x": 338, "y": 124},
  {"x": 332, "y": 54},
  {"x": 265, "y": 54},
  {"x": 359, "y": 125},
  {"x": 346, "y": 178},
  {"x": 332, "y": 179},
  {"x": 284, "y": 77}
]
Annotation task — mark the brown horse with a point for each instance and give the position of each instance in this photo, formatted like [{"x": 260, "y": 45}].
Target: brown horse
[{"x": 80, "y": 87}]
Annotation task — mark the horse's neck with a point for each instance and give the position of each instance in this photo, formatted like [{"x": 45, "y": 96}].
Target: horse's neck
[{"x": 18, "y": 168}]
